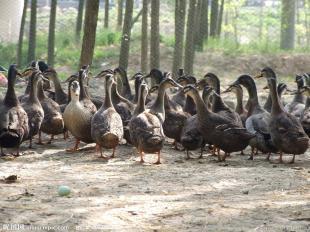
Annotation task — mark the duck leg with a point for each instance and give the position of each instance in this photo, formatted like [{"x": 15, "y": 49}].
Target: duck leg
[
  {"x": 242, "y": 153},
  {"x": 268, "y": 156},
  {"x": 30, "y": 143},
  {"x": 51, "y": 139},
  {"x": 40, "y": 139},
  {"x": 66, "y": 134},
  {"x": 113, "y": 153},
  {"x": 187, "y": 155},
  {"x": 17, "y": 152},
  {"x": 141, "y": 157},
  {"x": 76, "y": 146},
  {"x": 99, "y": 149},
  {"x": 158, "y": 158},
  {"x": 252, "y": 154},
  {"x": 224, "y": 157},
  {"x": 2, "y": 153},
  {"x": 201, "y": 153},
  {"x": 293, "y": 160}
]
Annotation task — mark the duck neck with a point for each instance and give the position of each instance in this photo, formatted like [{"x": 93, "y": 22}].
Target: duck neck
[
  {"x": 217, "y": 102},
  {"x": 158, "y": 105},
  {"x": 141, "y": 104},
  {"x": 10, "y": 97},
  {"x": 107, "y": 99},
  {"x": 83, "y": 93},
  {"x": 299, "y": 97},
  {"x": 126, "y": 90},
  {"x": 276, "y": 107},
  {"x": 307, "y": 103},
  {"x": 201, "y": 107},
  {"x": 58, "y": 89},
  {"x": 239, "y": 107},
  {"x": 114, "y": 94},
  {"x": 33, "y": 96},
  {"x": 189, "y": 104},
  {"x": 167, "y": 102},
  {"x": 40, "y": 91}
]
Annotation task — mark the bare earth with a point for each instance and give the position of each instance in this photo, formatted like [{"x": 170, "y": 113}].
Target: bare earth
[{"x": 178, "y": 195}]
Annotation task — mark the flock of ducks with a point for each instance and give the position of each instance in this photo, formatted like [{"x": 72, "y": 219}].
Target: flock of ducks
[{"x": 144, "y": 119}]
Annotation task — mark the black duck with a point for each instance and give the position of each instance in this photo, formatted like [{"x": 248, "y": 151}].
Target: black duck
[
  {"x": 280, "y": 89},
  {"x": 216, "y": 129},
  {"x": 33, "y": 107},
  {"x": 13, "y": 118},
  {"x": 145, "y": 127},
  {"x": 106, "y": 124},
  {"x": 286, "y": 130},
  {"x": 257, "y": 119}
]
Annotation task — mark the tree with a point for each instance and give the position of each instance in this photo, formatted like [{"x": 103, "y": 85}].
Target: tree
[
  {"x": 154, "y": 55},
  {"x": 189, "y": 43},
  {"x": 126, "y": 36},
  {"x": 203, "y": 24},
  {"x": 219, "y": 20},
  {"x": 106, "y": 13},
  {"x": 144, "y": 36},
  {"x": 288, "y": 24},
  {"x": 120, "y": 14},
  {"x": 89, "y": 37},
  {"x": 51, "y": 34},
  {"x": 261, "y": 21},
  {"x": 79, "y": 20},
  {"x": 213, "y": 17},
  {"x": 197, "y": 43},
  {"x": 21, "y": 34},
  {"x": 180, "y": 12},
  {"x": 32, "y": 32}
]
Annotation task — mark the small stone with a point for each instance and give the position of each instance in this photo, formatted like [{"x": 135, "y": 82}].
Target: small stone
[
  {"x": 274, "y": 166},
  {"x": 245, "y": 192},
  {"x": 122, "y": 185}
]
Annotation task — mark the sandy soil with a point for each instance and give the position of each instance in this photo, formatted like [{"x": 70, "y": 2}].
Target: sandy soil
[{"x": 178, "y": 195}]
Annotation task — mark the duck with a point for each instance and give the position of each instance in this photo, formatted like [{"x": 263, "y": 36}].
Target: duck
[
  {"x": 106, "y": 124},
  {"x": 191, "y": 138},
  {"x": 124, "y": 89},
  {"x": 60, "y": 96},
  {"x": 156, "y": 76},
  {"x": 145, "y": 127},
  {"x": 286, "y": 131},
  {"x": 189, "y": 104},
  {"x": 238, "y": 91},
  {"x": 53, "y": 122},
  {"x": 216, "y": 129},
  {"x": 13, "y": 118},
  {"x": 280, "y": 89},
  {"x": 305, "y": 116},
  {"x": 218, "y": 106},
  {"x": 257, "y": 120},
  {"x": 33, "y": 107},
  {"x": 297, "y": 106},
  {"x": 79, "y": 112}
]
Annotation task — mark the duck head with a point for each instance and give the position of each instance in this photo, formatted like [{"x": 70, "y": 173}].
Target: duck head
[{"x": 75, "y": 90}]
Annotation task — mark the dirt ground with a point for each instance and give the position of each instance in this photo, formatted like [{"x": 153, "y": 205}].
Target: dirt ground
[{"x": 178, "y": 195}]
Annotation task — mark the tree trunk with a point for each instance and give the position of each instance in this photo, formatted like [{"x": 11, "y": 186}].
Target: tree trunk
[
  {"x": 197, "y": 44},
  {"x": 220, "y": 19},
  {"x": 261, "y": 20},
  {"x": 21, "y": 35},
  {"x": 235, "y": 26},
  {"x": 120, "y": 14},
  {"x": 213, "y": 17},
  {"x": 51, "y": 34},
  {"x": 288, "y": 24},
  {"x": 203, "y": 25},
  {"x": 180, "y": 12},
  {"x": 189, "y": 46},
  {"x": 79, "y": 20},
  {"x": 106, "y": 13},
  {"x": 32, "y": 32},
  {"x": 154, "y": 55},
  {"x": 125, "y": 44},
  {"x": 89, "y": 37},
  {"x": 144, "y": 36}
]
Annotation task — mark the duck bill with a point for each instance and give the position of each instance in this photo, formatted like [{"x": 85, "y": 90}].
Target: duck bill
[{"x": 259, "y": 75}]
